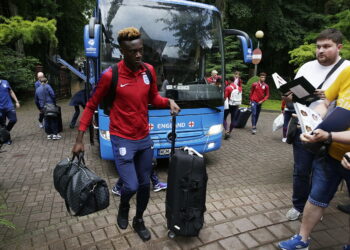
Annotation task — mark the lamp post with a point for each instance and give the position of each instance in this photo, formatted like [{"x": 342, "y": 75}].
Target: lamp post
[{"x": 257, "y": 54}]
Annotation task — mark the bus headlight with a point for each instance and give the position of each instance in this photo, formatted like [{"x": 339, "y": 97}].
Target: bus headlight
[
  {"x": 105, "y": 135},
  {"x": 215, "y": 129}
]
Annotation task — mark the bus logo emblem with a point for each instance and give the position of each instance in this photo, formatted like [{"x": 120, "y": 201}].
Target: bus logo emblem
[
  {"x": 191, "y": 124},
  {"x": 150, "y": 126}
]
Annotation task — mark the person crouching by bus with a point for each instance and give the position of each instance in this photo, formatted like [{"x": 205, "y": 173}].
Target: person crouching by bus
[
  {"x": 233, "y": 95},
  {"x": 131, "y": 143},
  {"x": 44, "y": 94}
]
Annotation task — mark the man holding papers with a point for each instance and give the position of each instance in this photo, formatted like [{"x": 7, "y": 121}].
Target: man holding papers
[
  {"x": 328, "y": 170},
  {"x": 322, "y": 71}
]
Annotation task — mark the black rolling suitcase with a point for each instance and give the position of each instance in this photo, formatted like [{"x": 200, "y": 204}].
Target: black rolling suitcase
[
  {"x": 241, "y": 117},
  {"x": 186, "y": 192}
]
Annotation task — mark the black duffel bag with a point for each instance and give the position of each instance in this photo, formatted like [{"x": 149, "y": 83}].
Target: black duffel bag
[{"x": 83, "y": 191}]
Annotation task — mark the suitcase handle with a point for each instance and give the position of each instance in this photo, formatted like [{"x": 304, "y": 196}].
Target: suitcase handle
[
  {"x": 173, "y": 134},
  {"x": 192, "y": 151}
]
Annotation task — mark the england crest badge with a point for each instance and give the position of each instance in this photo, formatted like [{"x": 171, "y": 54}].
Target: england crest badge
[
  {"x": 145, "y": 79},
  {"x": 122, "y": 151}
]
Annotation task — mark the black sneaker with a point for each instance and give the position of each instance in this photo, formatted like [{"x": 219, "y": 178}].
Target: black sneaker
[
  {"x": 9, "y": 142},
  {"x": 141, "y": 230},
  {"x": 123, "y": 217}
]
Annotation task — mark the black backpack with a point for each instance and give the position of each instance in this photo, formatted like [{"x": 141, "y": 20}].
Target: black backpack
[{"x": 107, "y": 101}]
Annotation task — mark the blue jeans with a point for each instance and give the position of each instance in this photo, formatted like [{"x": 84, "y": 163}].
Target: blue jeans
[
  {"x": 302, "y": 173},
  {"x": 133, "y": 160},
  {"x": 10, "y": 114},
  {"x": 256, "y": 108},
  {"x": 327, "y": 175}
]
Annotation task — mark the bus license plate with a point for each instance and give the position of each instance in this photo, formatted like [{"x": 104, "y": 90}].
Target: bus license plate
[{"x": 164, "y": 151}]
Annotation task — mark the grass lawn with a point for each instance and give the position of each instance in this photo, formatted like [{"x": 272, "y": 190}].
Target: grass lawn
[{"x": 270, "y": 105}]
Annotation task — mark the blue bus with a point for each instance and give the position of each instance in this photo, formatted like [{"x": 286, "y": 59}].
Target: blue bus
[{"x": 181, "y": 39}]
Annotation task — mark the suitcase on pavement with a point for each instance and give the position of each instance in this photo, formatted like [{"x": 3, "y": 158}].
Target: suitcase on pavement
[
  {"x": 186, "y": 191},
  {"x": 241, "y": 117}
]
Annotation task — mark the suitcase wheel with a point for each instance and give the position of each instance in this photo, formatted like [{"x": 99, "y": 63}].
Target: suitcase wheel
[{"x": 171, "y": 234}]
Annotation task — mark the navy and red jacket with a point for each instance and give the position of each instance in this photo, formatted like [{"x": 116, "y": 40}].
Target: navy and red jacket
[
  {"x": 129, "y": 112},
  {"x": 259, "y": 92}
]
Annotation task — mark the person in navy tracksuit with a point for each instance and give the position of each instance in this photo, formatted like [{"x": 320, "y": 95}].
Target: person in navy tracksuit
[{"x": 7, "y": 109}]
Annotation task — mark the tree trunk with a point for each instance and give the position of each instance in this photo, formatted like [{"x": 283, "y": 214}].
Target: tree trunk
[
  {"x": 14, "y": 12},
  {"x": 220, "y": 4}
]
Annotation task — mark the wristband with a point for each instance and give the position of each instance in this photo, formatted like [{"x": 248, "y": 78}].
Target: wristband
[{"x": 329, "y": 139}]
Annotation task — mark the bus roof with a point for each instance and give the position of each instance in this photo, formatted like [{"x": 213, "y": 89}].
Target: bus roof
[{"x": 189, "y": 3}]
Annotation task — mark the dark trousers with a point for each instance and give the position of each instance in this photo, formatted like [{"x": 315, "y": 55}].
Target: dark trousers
[
  {"x": 133, "y": 159},
  {"x": 10, "y": 114},
  {"x": 75, "y": 115},
  {"x": 51, "y": 125},
  {"x": 232, "y": 111},
  {"x": 302, "y": 173},
  {"x": 287, "y": 115},
  {"x": 256, "y": 108}
]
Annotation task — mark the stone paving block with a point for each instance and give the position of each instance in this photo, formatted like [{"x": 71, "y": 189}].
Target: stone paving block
[
  {"x": 226, "y": 229},
  {"x": 85, "y": 239},
  {"x": 280, "y": 231},
  {"x": 134, "y": 240},
  {"x": 212, "y": 246},
  {"x": 111, "y": 231},
  {"x": 101, "y": 221},
  {"x": 218, "y": 216},
  {"x": 260, "y": 220},
  {"x": 77, "y": 228},
  {"x": 248, "y": 240},
  {"x": 72, "y": 243},
  {"x": 262, "y": 235},
  {"x": 208, "y": 218},
  {"x": 341, "y": 235},
  {"x": 120, "y": 243},
  {"x": 160, "y": 231},
  {"x": 232, "y": 243},
  {"x": 294, "y": 226},
  {"x": 99, "y": 235},
  {"x": 52, "y": 235},
  {"x": 89, "y": 225},
  {"x": 164, "y": 245},
  {"x": 267, "y": 247},
  {"x": 276, "y": 216},
  {"x": 228, "y": 213},
  {"x": 188, "y": 242},
  {"x": 57, "y": 245},
  {"x": 243, "y": 225},
  {"x": 105, "y": 245},
  {"x": 323, "y": 238},
  {"x": 65, "y": 232},
  {"x": 209, "y": 234},
  {"x": 158, "y": 219}
]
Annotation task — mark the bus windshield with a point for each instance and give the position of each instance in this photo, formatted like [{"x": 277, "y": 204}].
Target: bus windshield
[{"x": 182, "y": 42}]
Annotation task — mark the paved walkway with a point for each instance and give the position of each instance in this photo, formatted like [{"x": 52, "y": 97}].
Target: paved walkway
[{"x": 249, "y": 192}]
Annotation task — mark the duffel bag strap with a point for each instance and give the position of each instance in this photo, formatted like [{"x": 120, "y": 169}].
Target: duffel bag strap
[{"x": 192, "y": 151}]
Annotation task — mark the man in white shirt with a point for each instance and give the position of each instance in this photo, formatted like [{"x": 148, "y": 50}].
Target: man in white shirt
[{"x": 328, "y": 46}]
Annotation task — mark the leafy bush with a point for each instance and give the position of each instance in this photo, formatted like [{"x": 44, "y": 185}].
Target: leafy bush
[{"x": 17, "y": 69}]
